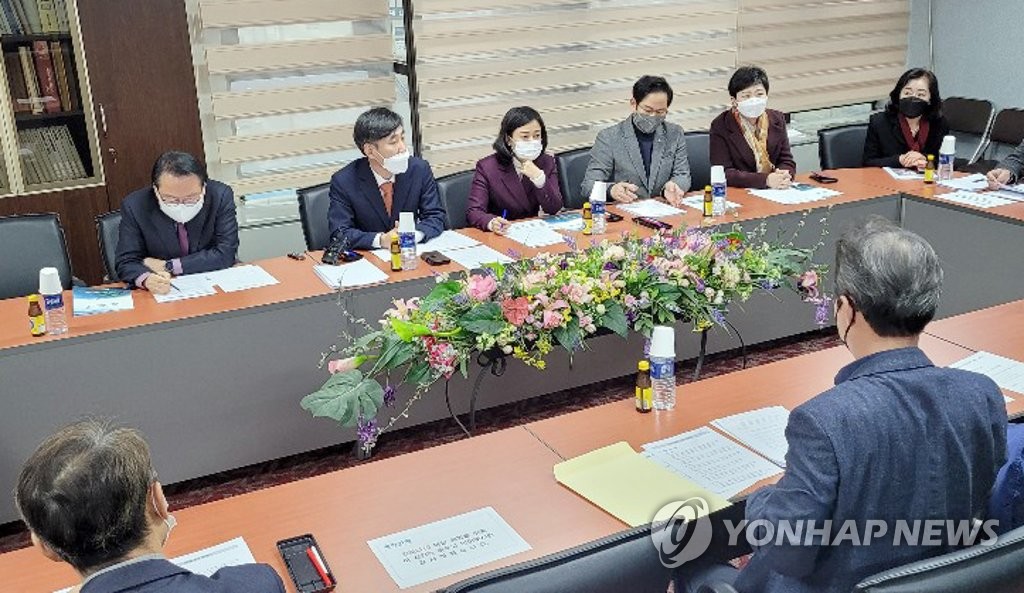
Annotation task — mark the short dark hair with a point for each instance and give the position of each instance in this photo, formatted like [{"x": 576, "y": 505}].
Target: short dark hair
[
  {"x": 745, "y": 77},
  {"x": 891, "y": 275},
  {"x": 178, "y": 164},
  {"x": 85, "y": 493},
  {"x": 514, "y": 119},
  {"x": 934, "y": 106},
  {"x": 374, "y": 125},
  {"x": 651, "y": 84}
]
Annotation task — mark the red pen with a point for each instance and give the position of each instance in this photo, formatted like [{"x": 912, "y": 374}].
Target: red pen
[{"x": 318, "y": 564}]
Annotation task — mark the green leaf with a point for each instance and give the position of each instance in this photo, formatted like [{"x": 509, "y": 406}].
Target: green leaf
[
  {"x": 364, "y": 342},
  {"x": 484, "y": 318},
  {"x": 406, "y": 331},
  {"x": 615, "y": 318},
  {"x": 568, "y": 336},
  {"x": 498, "y": 268},
  {"x": 394, "y": 353},
  {"x": 344, "y": 397},
  {"x": 418, "y": 373},
  {"x": 441, "y": 294}
]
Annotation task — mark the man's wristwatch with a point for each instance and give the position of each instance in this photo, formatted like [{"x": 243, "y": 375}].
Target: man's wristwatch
[{"x": 169, "y": 267}]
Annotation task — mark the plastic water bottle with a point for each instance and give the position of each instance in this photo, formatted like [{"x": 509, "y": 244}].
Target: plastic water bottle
[
  {"x": 663, "y": 367},
  {"x": 407, "y": 240},
  {"x": 947, "y": 154},
  {"x": 598, "y": 197},
  {"x": 718, "y": 190},
  {"x": 53, "y": 301}
]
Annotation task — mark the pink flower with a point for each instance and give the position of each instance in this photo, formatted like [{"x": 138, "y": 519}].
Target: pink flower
[
  {"x": 552, "y": 319},
  {"x": 480, "y": 288},
  {"x": 808, "y": 283},
  {"x": 345, "y": 364},
  {"x": 515, "y": 310}
]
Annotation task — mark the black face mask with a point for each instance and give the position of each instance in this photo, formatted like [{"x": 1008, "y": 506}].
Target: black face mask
[
  {"x": 912, "y": 107},
  {"x": 853, "y": 318}
]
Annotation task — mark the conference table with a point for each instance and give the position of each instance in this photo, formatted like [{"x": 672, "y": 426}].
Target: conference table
[{"x": 229, "y": 370}]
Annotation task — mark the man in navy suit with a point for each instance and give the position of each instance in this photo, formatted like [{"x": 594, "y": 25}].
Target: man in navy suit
[
  {"x": 368, "y": 194},
  {"x": 897, "y": 441},
  {"x": 90, "y": 498},
  {"x": 183, "y": 224}
]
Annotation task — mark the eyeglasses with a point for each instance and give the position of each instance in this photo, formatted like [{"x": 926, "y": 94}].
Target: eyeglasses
[{"x": 183, "y": 200}]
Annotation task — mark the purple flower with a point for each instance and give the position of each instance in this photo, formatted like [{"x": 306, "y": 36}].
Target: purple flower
[
  {"x": 610, "y": 267},
  {"x": 767, "y": 284},
  {"x": 514, "y": 254},
  {"x": 389, "y": 395},
  {"x": 367, "y": 432},
  {"x": 699, "y": 284},
  {"x": 570, "y": 241},
  {"x": 822, "y": 312},
  {"x": 718, "y": 317},
  {"x": 460, "y": 300},
  {"x": 647, "y": 347}
]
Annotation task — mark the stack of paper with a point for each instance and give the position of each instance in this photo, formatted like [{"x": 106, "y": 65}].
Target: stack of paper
[
  {"x": 357, "y": 273},
  {"x": 472, "y": 258},
  {"x": 696, "y": 202},
  {"x": 446, "y": 241},
  {"x": 1016, "y": 189},
  {"x": 762, "y": 430},
  {"x": 711, "y": 461},
  {"x": 566, "y": 221},
  {"x": 976, "y": 200},
  {"x": 532, "y": 233},
  {"x": 241, "y": 278},
  {"x": 798, "y": 193},
  {"x": 651, "y": 208},
  {"x": 1006, "y": 372},
  {"x": 904, "y": 174},
  {"x": 90, "y": 301},
  {"x": 629, "y": 486},
  {"x": 968, "y": 183},
  {"x": 189, "y": 286}
]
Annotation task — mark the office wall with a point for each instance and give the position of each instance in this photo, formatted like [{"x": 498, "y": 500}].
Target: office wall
[{"x": 977, "y": 47}]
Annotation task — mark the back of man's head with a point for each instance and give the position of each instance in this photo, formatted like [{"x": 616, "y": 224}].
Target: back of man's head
[
  {"x": 84, "y": 493},
  {"x": 891, "y": 276}
]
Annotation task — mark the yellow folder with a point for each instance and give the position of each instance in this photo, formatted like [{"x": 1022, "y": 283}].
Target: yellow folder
[{"x": 629, "y": 486}]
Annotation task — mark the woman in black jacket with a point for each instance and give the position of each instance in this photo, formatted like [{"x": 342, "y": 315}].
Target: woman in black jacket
[{"x": 912, "y": 125}]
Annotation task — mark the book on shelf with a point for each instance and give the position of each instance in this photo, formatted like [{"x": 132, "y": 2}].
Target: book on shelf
[
  {"x": 32, "y": 22},
  {"x": 42, "y": 78},
  {"x": 48, "y": 92},
  {"x": 19, "y": 14},
  {"x": 26, "y": 17},
  {"x": 48, "y": 155},
  {"x": 62, "y": 16},
  {"x": 61, "y": 73},
  {"x": 28, "y": 71},
  {"x": 48, "y": 22},
  {"x": 16, "y": 82},
  {"x": 9, "y": 24}
]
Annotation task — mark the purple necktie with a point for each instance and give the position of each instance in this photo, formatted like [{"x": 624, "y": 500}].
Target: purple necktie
[{"x": 183, "y": 239}]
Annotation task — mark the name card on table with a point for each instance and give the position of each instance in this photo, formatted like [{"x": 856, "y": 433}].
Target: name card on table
[
  {"x": 445, "y": 547},
  {"x": 1006, "y": 372}
]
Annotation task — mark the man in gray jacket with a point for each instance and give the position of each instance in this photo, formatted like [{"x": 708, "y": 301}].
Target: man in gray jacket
[
  {"x": 1009, "y": 170},
  {"x": 643, "y": 156}
]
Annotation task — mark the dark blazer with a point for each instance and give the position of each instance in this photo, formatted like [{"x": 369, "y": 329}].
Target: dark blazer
[
  {"x": 147, "y": 232},
  {"x": 497, "y": 188},
  {"x": 357, "y": 208},
  {"x": 159, "y": 576},
  {"x": 730, "y": 149},
  {"x": 896, "y": 438},
  {"x": 885, "y": 143}
]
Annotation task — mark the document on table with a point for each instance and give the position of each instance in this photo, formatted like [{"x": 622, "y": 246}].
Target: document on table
[
  {"x": 209, "y": 560},
  {"x": 241, "y": 278},
  {"x": 472, "y": 258},
  {"x": 357, "y": 273},
  {"x": 629, "y": 486},
  {"x": 763, "y": 430},
  {"x": 533, "y": 233},
  {"x": 1006, "y": 372},
  {"x": 189, "y": 286},
  {"x": 798, "y": 193},
  {"x": 710, "y": 460},
  {"x": 91, "y": 301},
  {"x": 968, "y": 183},
  {"x": 904, "y": 174},
  {"x": 1016, "y": 189},
  {"x": 445, "y": 241},
  {"x": 650, "y": 207},
  {"x": 566, "y": 221},
  {"x": 977, "y": 200},
  {"x": 697, "y": 203},
  {"x": 446, "y": 547}
]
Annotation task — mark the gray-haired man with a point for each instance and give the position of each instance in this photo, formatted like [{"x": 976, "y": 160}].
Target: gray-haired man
[{"x": 1009, "y": 170}]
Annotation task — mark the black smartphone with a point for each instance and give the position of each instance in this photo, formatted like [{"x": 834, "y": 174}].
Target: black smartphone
[
  {"x": 652, "y": 223},
  {"x": 435, "y": 258},
  {"x": 823, "y": 178},
  {"x": 612, "y": 217},
  {"x": 306, "y": 564}
]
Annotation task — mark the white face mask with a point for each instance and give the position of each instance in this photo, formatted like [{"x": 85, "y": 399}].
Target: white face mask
[
  {"x": 397, "y": 164},
  {"x": 170, "y": 522},
  {"x": 528, "y": 150},
  {"x": 182, "y": 212},
  {"x": 752, "y": 107}
]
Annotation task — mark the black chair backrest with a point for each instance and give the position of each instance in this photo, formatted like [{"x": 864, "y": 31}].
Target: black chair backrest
[
  {"x": 572, "y": 166},
  {"x": 842, "y": 147},
  {"x": 996, "y": 568},
  {"x": 1008, "y": 127},
  {"x": 314, "y": 203},
  {"x": 108, "y": 228},
  {"x": 28, "y": 243},
  {"x": 454, "y": 190},
  {"x": 698, "y": 153},
  {"x": 971, "y": 116},
  {"x": 627, "y": 561}
]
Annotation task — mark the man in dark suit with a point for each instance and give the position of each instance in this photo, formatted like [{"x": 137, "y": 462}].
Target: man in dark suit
[
  {"x": 896, "y": 441},
  {"x": 90, "y": 497},
  {"x": 183, "y": 224},
  {"x": 368, "y": 194},
  {"x": 1009, "y": 170}
]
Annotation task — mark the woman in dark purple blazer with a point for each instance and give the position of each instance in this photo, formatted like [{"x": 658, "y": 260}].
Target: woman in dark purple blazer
[
  {"x": 518, "y": 179},
  {"x": 750, "y": 140}
]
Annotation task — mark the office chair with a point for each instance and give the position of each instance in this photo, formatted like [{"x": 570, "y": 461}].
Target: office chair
[
  {"x": 1006, "y": 135},
  {"x": 842, "y": 147},
  {"x": 29, "y": 242},
  {"x": 314, "y": 203},
  {"x": 108, "y": 227},
  {"x": 454, "y": 190},
  {"x": 572, "y": 166},
  {"x": 698, "y": 153},
  {"x": 970, "y": 120}
]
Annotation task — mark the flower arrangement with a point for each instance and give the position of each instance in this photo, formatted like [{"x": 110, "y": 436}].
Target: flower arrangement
[{"x": 528, "y": 308}]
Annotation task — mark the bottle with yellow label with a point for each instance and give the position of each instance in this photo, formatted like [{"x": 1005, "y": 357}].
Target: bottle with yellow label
[
  {"x": 929, "y": 170},
  {"x": 644, "y": 391},
  {"x": 588, "y": 219},
  {"x": 709, "y": 202},
  {"x": 396, "y": 253},
  {"x": 36, "y": 319}
]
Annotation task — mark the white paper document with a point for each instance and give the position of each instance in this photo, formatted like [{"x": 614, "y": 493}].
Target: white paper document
[
  {"x": 904, "y": 174},
  {"x": 969, "y": 183},
  {"x": 445, "y": 547},
  {"x": 798, "y": 193},
  {"x": 1006, "y": 372},
  {"x": 443, "y": 242},
  {"x": 357, "y": 273},
  {"x": 1014, "y": 189},
  {"x": 189, "y": 286},
  {"x": 711, "y": 460},
  {"x": 92, "y": 301},
  {"x": 472, "y": 258},
  {"x": 697, "y": 203},
  {"x": 241, "y": 278},
  {"x": 976, "y": 200},
  {"x": 533, "y": 233},
  {"x": 651, "y": 208},
  {"x": 763, "y": 430},
  {"x": 565, "y": 221},
  {"x": 210, "y": 560}
]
